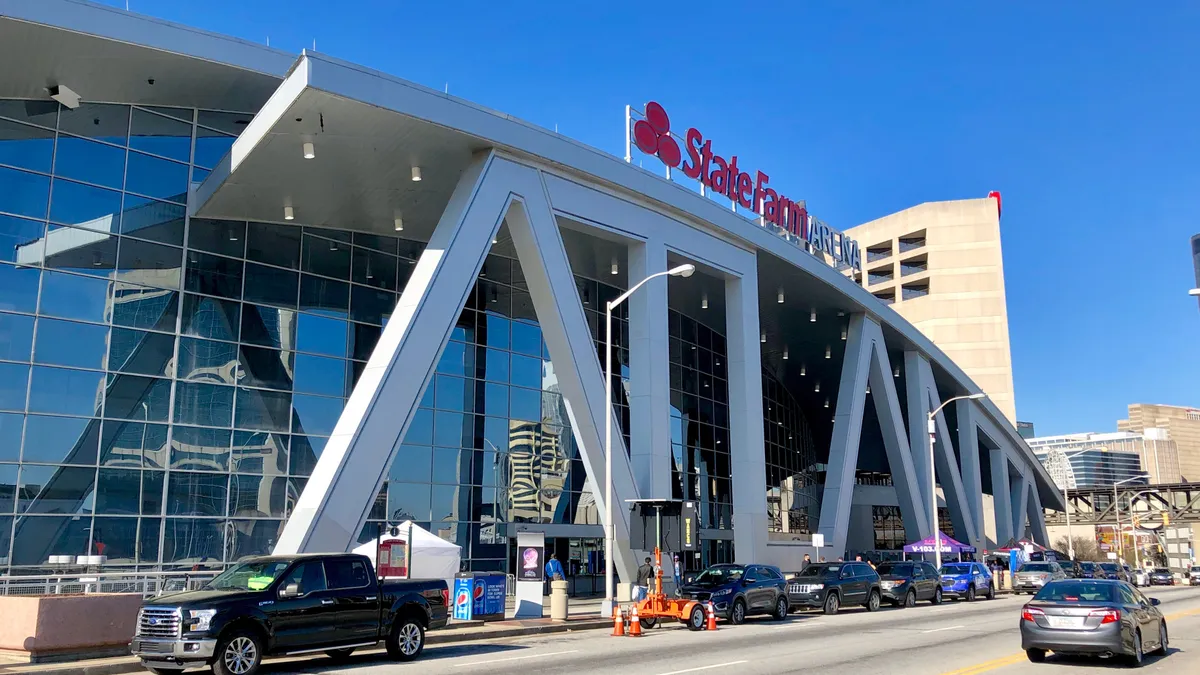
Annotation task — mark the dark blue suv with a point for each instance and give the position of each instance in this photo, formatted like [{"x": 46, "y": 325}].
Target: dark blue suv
[
  {"x": 738, "y": 591},
  {"x": 966, "y": 580}
]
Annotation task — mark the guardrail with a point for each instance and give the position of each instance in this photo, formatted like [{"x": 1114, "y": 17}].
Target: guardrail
[{"x": 148, "y": 584}]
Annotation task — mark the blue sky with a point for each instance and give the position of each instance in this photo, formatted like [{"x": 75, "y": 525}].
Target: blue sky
[{"x": 1083, "y": 115}]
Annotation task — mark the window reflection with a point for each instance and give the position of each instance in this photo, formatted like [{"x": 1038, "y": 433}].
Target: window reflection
[
  {"x": 90, "y": 162},
  {"x": 23, "y": 193},
  {"x": 99, "y": 121},
  {"x": 147, "y": 218},
  {"x": 84, "y": 206},
  {"x": 61, "y": 440},
  {"x": 69, "y": 343},
  {"x": 16, "y": 337},
  {"x": 25, "y": 146},
  {"x": 160, "y": 135}
]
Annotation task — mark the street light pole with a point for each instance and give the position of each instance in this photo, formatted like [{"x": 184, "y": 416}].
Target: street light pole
[
  {"x": 937, "y": 533},
  {"x": 1067, "y": 505},
  {"x": 1117, "y": 512},
  {"x": 685, "y": 271}
]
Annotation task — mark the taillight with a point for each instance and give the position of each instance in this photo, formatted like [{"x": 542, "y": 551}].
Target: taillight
[
  {"x": 445, "y": 597},
  {"x": 1106, "y": 615},
  {"x": 1030, "y": 613}
]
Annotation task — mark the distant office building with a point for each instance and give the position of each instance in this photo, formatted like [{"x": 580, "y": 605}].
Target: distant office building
[
  {"x": 1026, "y": 430},
  {"x": 1093, "y": 460},
  {"x": 1179, "y": 425},
  {"x": 939, "y": 265}
]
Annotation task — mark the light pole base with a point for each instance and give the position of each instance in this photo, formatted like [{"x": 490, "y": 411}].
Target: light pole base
[{"x": 606, "y": 608}]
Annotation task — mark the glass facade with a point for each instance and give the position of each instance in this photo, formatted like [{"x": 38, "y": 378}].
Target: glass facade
[{"x": 793, "y": 495}]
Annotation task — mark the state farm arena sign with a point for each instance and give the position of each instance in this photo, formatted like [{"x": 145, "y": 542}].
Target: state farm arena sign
[{"x": 652, "y": 135}]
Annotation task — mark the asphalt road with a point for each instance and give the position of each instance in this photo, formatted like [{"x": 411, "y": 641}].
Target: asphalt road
[{"x": 955, "y": 638}]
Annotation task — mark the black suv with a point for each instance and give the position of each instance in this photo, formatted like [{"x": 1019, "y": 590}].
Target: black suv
[
  {"x": 832, "y": 585},
  {"x": 904, "y": 583},
  {"x": 1090, "y": 570},
  {"x": 738, "y": 591}
]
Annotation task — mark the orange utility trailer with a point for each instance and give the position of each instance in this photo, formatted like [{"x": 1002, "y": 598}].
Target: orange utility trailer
[{"x": 659, "y": 605}]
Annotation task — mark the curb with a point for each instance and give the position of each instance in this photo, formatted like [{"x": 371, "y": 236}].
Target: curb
[{"x": 130, "y": 664}]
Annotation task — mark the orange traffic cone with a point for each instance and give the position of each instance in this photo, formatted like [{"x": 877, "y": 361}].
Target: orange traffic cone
[
  {"x": 618, "y": 622},
  {"x": 712, "y": 617},
  {"x": 635, "y": 624}
]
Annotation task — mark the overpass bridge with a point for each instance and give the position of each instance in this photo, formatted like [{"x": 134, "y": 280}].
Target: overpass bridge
[{"x": 1178, "y": 502}]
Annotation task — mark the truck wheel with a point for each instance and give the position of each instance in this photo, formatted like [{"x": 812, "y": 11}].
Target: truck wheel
[
  {"x": 340, "y": 654},
  {"x": 831, "y": 603},
  {"x": 406, "y": 640},
  {"x": 971, "y": 593},
  {"x": 872, "y": 603},
  {"x": 781, "y": 608},
  {"x": 238, "y": 653},
  {"x": 697, "y": 619},
  {"x": 737, "y": 614}
]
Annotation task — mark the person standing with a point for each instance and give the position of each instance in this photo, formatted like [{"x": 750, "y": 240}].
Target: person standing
[
  {"x": 644, "y": 574},
  {"x": 806, "y": 562},
  {"x": 678, "y": 569},
  {"x": 554, "y": 569}
]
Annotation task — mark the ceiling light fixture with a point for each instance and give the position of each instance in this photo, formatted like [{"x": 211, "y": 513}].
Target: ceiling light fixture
[
  {"x": 812, "y": 315},
  {"x": 288, "y": 213},
  {"x": 868, "y": 390},
  {"x": 309, "y": 151},
  {"x": 843, "y": 332},
  {"x": 841, "y": 313},
  {"x": 704, "y": 300},
  {"x": 615, "y": 269},
  {"x": 803, "y": 370},
  {"x": 416, "y": 173},
  {"x": 828, "y": 352},
  {"x": 233, "y": 234},
  {"x": 826, "y": 402},
  {"x": 399, "y": 224},
  {"x": 817, "y": 387},
  {"x": 896, "y": 372},
  {"x": 762, "y": 337},
  {"x": 785, "y": 353},
  {"x": 779, "y": 298}
]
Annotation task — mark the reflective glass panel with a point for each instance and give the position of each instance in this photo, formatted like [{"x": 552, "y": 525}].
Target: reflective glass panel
[
  {"x": 260, "y": 452},
  {"x": 315, "y": 414},
  {"x": 196, "y": 494},
  {"x": 151, "y": 219},
  {"x": 23, "y": 193},
  {"x": 133, "y": 444},
  {"x": 140, "y": 307},
  {"x": 408, "y": 501},
  {"x": 20, "y": 286},
  {"x": 200, "y": 449},
  {"x": 81, "y": 251},
  {"x": 119, "y": 491},
  {"x": 161, "y": 135},
  {"x": 420, "y": 432},
  {"x": 193, "y": 540},
  {"x": 149, "y": 530},
  {"x": 74, "y": 297},
  {"x": 375, "y": 242},
  {"x": 269, "y": 326},
  {"x": 40, "y": 112},
  {"x": 100, "y": 121},
  {"x": 211, "y": 147},
  {"x": 271, "y": 286},
  {"x": 227, "y": 237},
  {"x": 11, "y": 425},
  {"x": 213, "y": 275},
  {"x": 454, "y": 393},
  {"x": 526, "y": 338},
  {"x": 255, "y": 537},
  {"x": 374, "y": 269},
  {"x": 8, "y": 501},
  {"x": 132, "y": 397},
  {"x": 208, "y": 361},
  {"x": 266, "y": 368},
  {"x": 233, "y": 123},
  {"x": 90, "y": 162},
  {"x": 64, "y": 391},
  {"x": 304, "y": 453},
  {"x": 371, "y": 305},
  {"x": 525, "y": 404},
  {"x": 14, "y": 378},
  {"x": 496, "y": 366},
  {"x": 68, "y": 343},
  {"x": 25, "y": 146},
  {"x": 115, "y": 539},
  {"x": 21, "y": 240},
  {"x": 16, "y": 337},
  {"x": 203, "y": 404},
  {"x": 61, "y": 440},
  {"x": 263, "y": 410},
  {"x": 150, "y": 264},
  {"x": 325, "y": 257},
  {"x": 154, "y": 177},
  {"x": 320, "y": 375},
  {"x": 257, "y": 496},
  {"x": 52, "y": 489},
  {"x": 413, "y": 464},
  {"x": 84, "y": 206},
  {"x": 363, "y": 339},
  {"x": 210, "y": 317},
  {"x": 451, "y": 466},
  {"x": 448, "y": 429},
  {"x": 140, "y": 352},
  {"x": 324, "y": 296},
  {"x": 277, "y": 245},
  {"x": 321, "y": 335},
  {"x": 35, "y": 539}
]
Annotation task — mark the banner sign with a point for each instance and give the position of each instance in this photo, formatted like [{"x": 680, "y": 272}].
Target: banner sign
[
  {"x": 690, "y": 527},
  {"x": 749, "y": 190}
]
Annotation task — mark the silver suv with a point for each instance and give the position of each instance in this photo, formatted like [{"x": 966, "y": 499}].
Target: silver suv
[{"x": 1033, "y": 575}]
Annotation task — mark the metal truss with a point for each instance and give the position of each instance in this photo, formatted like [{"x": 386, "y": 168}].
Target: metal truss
[{"x": 1095, "y": 506}]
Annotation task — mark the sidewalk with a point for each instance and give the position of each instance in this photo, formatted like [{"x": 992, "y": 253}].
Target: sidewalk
[{"x": 583, "y": 614}]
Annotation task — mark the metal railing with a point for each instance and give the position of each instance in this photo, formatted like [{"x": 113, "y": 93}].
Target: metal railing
[{"x": 148, "y": 584}]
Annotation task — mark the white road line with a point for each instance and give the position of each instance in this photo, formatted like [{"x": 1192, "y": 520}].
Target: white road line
[
  {"x": 519, "y": 658},
  {"x": 935, "y": 630},
  {"x": 715, "y": 665}
]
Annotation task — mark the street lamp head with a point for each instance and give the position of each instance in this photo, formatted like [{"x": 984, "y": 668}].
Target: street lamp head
[
  {"x": 1194, "y": 292},
  {"x": 684, "y": 271},
  {"x": 976, "y": 397}
]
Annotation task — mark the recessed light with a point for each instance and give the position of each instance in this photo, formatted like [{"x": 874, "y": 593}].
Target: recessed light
[
  {"x": 779, "y": 297},
  {"x": 704, "y": 300},
  {"x": 785, "y": 353},
  {"x": 416, "y": 173},
  {"x": 828, "y": 352},
  {"x": 803, "y": 370},
  {"x": 817, "y": 387},
  {"x": 309, "y": 151},
  {"x": 288, "y": 213},
  {"x": 812, "y": 315},
  {"x": 399, "y": 224},
  {"x": 762, "y": 337},
  {"x": 614, "y": 267}
]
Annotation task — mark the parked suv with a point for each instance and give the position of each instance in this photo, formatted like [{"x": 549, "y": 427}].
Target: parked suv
[
  {"x": 833, "y": 585},
  {"x": 1032, "y": 576},
  {"x": 285, "y": 605},
  {"x": 968, "y": 580},
  {"x": 737, "y": 591},
  {"x": 1194, "y": 575},
  {"x": 1091, "y": 570},
  {"x": 904, "y": 583},
  {"x": 1114, "y": 571}
]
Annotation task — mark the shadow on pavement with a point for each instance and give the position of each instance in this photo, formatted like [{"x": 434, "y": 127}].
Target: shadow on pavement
[
  {"x": 1116, "y": 662},
  {"x": 375, "y": 658}
]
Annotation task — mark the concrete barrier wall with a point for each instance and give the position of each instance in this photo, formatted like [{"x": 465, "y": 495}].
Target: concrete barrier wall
[{"x": 38, "y": 626}]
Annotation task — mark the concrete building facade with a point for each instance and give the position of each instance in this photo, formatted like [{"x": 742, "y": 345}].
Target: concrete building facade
[
  {"x": 1178, "y": 424},
  {"x": 940, "y": 265}
]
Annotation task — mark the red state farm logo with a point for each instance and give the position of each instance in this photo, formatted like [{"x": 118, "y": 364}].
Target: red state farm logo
[{"x": 652, "y": 135}]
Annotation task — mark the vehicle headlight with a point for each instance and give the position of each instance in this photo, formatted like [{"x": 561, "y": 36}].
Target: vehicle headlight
[
  {"x": 816, "y": 587},
  {"x": 199, "y": 620},
  {"x": 722, "y": 592}
]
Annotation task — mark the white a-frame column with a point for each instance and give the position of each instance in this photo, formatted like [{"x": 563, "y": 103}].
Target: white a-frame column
[
  {"x": 866, "y": 361},
  {"x": 1020, "y": 501},
  {"x": 649, "y": 372},
  {"x": 922, "y": 398},
  {"x": 745, "y": 418},
  {"x": 1037, "y": 516},
  {"x": 342, "y": 488},
  {"x": 1001, "y": 491},
  {"x": 968, "y": 452}
]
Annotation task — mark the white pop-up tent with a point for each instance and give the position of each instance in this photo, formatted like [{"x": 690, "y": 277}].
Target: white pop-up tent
[{"x": 431, "y": 556}]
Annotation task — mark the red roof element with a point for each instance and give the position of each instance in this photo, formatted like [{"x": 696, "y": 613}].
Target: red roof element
[{"x": 996, "y": 194}]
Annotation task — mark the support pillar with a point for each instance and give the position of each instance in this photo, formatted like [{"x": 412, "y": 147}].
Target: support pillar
[
  {"x": 1001, "y": 495},
  {"x": 746, "y": 419},
  {"x": 649, "y": 373},
  {"x": 1020, "y": 501},
  {"x": 968, "y": 452}
]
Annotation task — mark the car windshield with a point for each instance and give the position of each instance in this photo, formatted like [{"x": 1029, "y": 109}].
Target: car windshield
[
  {"x": 956, "y": 569},
  {"x": 249, "y": 576},
  {"x": 1087, "y": 566},
  {"x": 898, "y": 569},
  {"x": 820, "y": 570},
  {"x": 720, "y": 574},
  {"x": 1078, "y": 591},
  {"x": 1195, "y": 568},
  {"x": 1036, "y": 567},
  {"x": 1110, "y": 567},
  {"x": 1161, "y": 570}
]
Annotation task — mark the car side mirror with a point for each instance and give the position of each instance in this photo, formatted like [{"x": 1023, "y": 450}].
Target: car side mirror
[
  {"x": 289, "y": 591},
  {"x": 1154, "y": 601}
]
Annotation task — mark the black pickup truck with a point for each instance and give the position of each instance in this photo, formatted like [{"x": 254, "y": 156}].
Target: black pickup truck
[{"x": 276, "y": 605}]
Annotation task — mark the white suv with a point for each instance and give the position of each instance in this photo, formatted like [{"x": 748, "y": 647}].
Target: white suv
[{"x": 1194, "y": 575}]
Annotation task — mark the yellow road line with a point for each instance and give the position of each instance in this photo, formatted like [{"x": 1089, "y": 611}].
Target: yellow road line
[{"x": 1020, "y": 656}]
